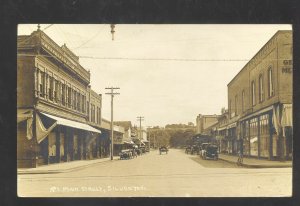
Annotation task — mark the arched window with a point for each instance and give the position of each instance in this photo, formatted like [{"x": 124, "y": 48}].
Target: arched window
[
  {"x": 270, "y": 82},
  {"x": 261, "y": 88},
  {"x": 243, "y": 100},
  {"x": 253, "y": 92}
]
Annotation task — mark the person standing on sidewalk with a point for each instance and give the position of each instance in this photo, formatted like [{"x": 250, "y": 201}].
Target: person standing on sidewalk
[{"x": 240, "y": 153}]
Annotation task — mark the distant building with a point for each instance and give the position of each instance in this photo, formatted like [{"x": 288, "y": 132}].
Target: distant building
[{"x": 204, "y": 121}]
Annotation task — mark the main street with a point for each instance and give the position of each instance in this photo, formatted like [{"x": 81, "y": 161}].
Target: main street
[{"x": 175, "y": 174}]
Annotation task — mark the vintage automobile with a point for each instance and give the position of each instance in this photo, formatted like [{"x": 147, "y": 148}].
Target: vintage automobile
[
  {"x": 195, "y": 149},
  {"x": 188, "y": 149},
  {"x": 211, "y": 152},
  {"x": 203, "y": 148},
  {"x": 126, "y": 154},
  {"x": 163, "y": 149}
]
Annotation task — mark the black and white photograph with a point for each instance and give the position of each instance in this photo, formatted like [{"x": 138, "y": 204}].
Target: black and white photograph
[{"x": 154, "y": 110}]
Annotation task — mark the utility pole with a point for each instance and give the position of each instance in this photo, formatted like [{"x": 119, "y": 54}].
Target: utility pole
[
  {"x": 140, "y": 119},
  {"x": 112, "y": 93},
  {"x": 149, "y": 138}
]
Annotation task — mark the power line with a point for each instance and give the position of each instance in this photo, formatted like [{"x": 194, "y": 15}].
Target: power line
[
  {"x": 25, "y": 40},
  {"x": 89, "y": 39},
  {"x": 155, "y": 59},
  {"x": 158, "y": 59}
]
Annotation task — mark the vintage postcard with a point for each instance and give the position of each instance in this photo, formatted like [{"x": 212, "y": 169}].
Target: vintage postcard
[{"x": 154, "y": 110}]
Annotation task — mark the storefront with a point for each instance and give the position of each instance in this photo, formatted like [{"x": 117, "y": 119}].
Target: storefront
[
  {"x": 51, "y": 139},
  {"x": 232, "y": 141},
  {"x": 268, "y": 133}
]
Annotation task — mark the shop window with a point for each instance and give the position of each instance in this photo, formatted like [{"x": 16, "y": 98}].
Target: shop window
[
  {"x": 261, "y": 89},
  {"x": 270, "y": 82},
  {"x": 253, "y": 137}
]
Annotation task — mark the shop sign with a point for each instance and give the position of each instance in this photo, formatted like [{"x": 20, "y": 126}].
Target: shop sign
[{"x": 287, "y": 69}]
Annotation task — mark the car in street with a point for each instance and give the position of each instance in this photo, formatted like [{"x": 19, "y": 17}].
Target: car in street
[
  {"x": 203, "y": 148},
  {"x": 163, "y": 149},
  {"x": 211, "y": 152}
]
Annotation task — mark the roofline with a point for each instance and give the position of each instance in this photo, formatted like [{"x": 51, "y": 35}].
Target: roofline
[{"x": 256, "y": 54}]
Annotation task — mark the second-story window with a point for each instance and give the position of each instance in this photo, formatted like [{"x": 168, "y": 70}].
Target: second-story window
[
  {"x": 55, "y": 90},
  {"x": 88, "y": 110},
  {"x": 69, "y": 96},
  {"x": 243, "y": 100},
  {"x": 235, "y": 105},
  {"x": 42, "y": 84},
  {"x": 82, "y": 104},
  {"x": 261, "y": 88},
  {"x": 230, "y": 108},
  {"x": 74, "y": 99},
  {"x": 92, "y": 113},
  {"x": 270, "y": 82},
  {"x": 63, "y": 94},
  {"x": 253, "y": 92},
  {"x": 78, "y": 101},
  {"x": 50, "y": 88}
]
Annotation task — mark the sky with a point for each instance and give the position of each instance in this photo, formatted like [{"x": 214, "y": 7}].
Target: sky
[{"x": 167, "y": 73}]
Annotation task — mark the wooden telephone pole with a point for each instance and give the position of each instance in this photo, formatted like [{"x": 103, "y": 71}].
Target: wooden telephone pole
[{"x": 112, "y": 93}]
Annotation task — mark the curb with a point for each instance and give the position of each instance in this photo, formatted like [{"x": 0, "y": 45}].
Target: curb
[
  {"x": 258, "y": 166},
  {"x": 62, "y": 170}
]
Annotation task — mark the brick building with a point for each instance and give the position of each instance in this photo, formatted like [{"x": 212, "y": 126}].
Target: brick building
[
  {"x": 58, "y": 114},
  {"x": 204, "y": 121},
  {"x": 260, "y": 101}
]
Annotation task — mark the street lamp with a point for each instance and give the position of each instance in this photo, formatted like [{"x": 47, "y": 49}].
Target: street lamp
[{"x": 112, "y": 31}]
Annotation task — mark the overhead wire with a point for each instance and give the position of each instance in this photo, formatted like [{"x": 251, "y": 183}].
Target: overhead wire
[
  {"x": 87, "y": 41},
  {"x": 149, "y": 59},
  {"x": 25, "y": 40}
]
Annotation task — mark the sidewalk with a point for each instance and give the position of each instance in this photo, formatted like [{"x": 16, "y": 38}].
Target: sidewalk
[
  {"x": 63, "y": 167},
  {"x": 256, "y": 163}
]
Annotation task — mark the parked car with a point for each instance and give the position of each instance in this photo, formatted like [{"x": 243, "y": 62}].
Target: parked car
[
  {"x": 126, "y": 154},
  {"x": 188, "y": 149},
  {"x": 211, "y": 152},
  {"x": 195, "y": 149},
  {"x": 203, "y": 148},
  {"x": 163, "y": 149}
]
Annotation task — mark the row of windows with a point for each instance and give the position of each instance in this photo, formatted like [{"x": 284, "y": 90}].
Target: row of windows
[
  {"x": 63, "y": 94},
  {"x": 261, "y": 94},
  {"x": 60, "y": 92}
]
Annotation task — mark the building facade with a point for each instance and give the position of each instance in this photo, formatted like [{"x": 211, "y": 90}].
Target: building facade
[
  {"x": 58, "y": 114},
  {"x": 204, "y": 121},
  {"x": 260, "y": 101}
]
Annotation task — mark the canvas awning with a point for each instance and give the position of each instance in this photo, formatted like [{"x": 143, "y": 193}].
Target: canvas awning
[
  {"x": 287, "y": 115},
  {"x": 70, "y": 123},
  {"x": 254, "y": 139},
  {"x": 231, "y": 125},
  {"x": 24, "y": 114},
  {"x": 222, "y": 128}
]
